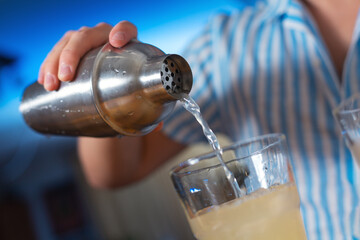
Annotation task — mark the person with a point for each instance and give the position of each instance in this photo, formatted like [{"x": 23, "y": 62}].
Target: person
[{"x": 272, "y": 66}]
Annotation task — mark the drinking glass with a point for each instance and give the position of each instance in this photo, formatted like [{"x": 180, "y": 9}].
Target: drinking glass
[
  {"x": 264, "y": 205},
  {"x": 347, "y": 115}
]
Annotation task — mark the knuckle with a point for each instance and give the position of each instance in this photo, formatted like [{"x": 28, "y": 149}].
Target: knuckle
[
  {"x": 69, "y": 54},
  {"x": 84, "y": 29},
  {"x": 83, "y": 33},
  {"x": 69, "y": 33},
  {"x": 103, "y": 24}
]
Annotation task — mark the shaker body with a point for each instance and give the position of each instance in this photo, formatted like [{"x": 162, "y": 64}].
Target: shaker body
[{"x": 115, "y": 91}]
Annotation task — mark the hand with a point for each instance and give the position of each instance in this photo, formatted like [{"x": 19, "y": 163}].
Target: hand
[{"x": 61, "y": 62}]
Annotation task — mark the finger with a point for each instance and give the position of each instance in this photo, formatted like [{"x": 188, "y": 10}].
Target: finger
[
  {"x": 80, "y": 43},
  {"x": 122, "y": 33},
  {"x": 49, "y": 68}
]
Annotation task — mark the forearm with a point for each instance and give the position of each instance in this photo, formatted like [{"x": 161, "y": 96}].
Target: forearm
[
  {"x": 113, "y": 162},
  {"x": 110, "y": 162}
]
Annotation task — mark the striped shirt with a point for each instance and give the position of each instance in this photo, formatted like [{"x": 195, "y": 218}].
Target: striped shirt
[{"x": 264, "y": 69}]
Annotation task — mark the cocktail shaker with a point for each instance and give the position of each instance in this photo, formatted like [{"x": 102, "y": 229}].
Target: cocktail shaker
[{"x": 116, "y": 91}]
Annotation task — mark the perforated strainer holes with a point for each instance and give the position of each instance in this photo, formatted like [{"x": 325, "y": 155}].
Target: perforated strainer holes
[{"x": 171, "y": 77}]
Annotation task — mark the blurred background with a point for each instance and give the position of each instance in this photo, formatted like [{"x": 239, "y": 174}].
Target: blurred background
[{"x": 43, "y": 194}]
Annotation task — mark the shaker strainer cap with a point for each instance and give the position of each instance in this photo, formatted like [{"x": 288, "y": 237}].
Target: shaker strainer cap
[{"x": 173, "y": 72}]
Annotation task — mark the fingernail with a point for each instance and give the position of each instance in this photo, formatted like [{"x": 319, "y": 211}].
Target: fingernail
[
  {"x": 65, "y": 71},
  {"x": 118, "y": 36},
  {"x": 50, "y": 81}
]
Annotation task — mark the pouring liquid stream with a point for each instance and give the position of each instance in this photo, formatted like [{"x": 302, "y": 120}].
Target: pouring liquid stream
[{"x": 191, "y": 106}]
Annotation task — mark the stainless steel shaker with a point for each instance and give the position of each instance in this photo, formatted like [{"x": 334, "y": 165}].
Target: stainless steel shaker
[{"x": 116, "y": 91}]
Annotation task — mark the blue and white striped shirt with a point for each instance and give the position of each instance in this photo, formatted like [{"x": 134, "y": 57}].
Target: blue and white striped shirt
[{"x": 264, "y": 69}]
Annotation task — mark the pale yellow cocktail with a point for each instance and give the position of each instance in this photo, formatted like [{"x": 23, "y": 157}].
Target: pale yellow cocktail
[{"x": 265, "y": 214}]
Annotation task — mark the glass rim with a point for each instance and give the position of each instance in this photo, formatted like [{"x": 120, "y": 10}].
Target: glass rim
[
  {"x": 339, "y": 110},
  {"x": 176, "y": 170}
]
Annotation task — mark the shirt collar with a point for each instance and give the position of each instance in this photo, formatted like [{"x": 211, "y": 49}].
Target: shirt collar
[
  {"x": 280, "y": 6},
  {"x": 275, "y": 7}
]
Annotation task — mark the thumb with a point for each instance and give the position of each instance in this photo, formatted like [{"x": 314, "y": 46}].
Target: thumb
[{"x": 122, "y": 33}]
